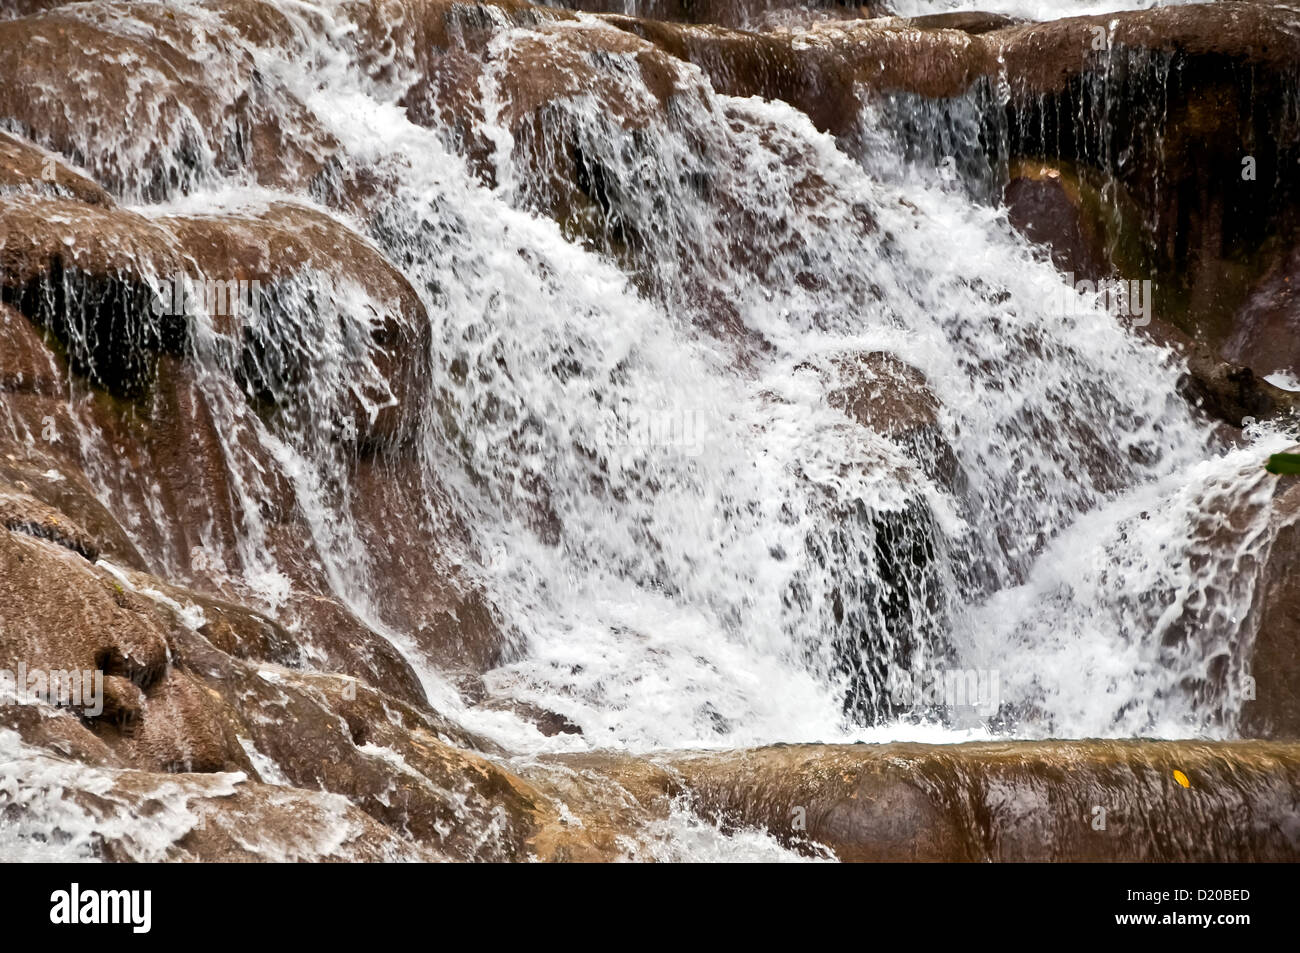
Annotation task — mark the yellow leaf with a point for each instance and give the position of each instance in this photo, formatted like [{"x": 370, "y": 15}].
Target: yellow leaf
[{"x": 1182, "y": 779}]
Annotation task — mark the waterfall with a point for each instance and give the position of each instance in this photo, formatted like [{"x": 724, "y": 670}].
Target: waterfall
[{"x": 743, "y": 432}]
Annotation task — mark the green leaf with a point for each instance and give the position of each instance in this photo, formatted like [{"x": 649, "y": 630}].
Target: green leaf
[{"x": 1283, "y": 463}]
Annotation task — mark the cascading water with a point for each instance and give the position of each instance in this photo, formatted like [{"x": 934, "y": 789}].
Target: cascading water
[{"x": 626, "y": 403}]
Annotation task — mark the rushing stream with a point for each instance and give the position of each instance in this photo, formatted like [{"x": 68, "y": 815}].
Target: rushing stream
[{"x": 684, "y": 541}]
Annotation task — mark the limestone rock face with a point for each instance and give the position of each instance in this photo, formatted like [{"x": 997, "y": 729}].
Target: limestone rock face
[
  {"x": 1266, "y": 330},
  {"x": 25, "y": 167},
  {"x": 97, "y": 351},
  {"x": 162, "y": 528},
  {"x": 173, "y": 702},
  {"x": 1274, "y": 712},
  {"x": 1203, "y": 201},
  {"x": 65, "y": 88},
  {"x": 986, "y": 801}
]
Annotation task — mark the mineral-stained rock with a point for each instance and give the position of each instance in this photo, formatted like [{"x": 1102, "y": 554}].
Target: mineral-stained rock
[
  {"x": 992, "y": 801},
  {"x": 1185, "y": 110},
  {"x": 72, "y": 85},
  {"x": 281, "y": 260},
  {"x": 174, "y": 702},
  {"x": 736, "y": 14},
  {"x": 968, "y": 21},
  {"x": 82, "y": 272},
  {"x": 127, "y": 815},
  {"x": 59, "y": 613},
  {"x": 1052, "y": 207},
  {"x": 1045, "y": 56},
  {"x": 399, "y": 765},
  {"x": 1274, "y": 712},
  {"x": 23, "y": 513},
  {"x": 26, "y": 363},
  {"x": 294, "y": 825},
  {"x": 822, "y": 69},
  {"x": 882, "y": 393},
  {"x": 1224, "y": 391},
  {"x": 45, "y": 496},
  {"x": 1266, "y": 330},
  {"x": 25, "y": 166},
  {"x": 183, "y": 445}
]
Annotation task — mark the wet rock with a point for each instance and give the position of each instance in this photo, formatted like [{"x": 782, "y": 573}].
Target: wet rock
[
  {"x": 994, "y": 801},
  {"x": 60, "y": 615},
  {"x": 892, "y": 398},
  {"x": 60, "y": 732},
  {"x": 125, "y": 815},
  {"x": 736, "y": 14},
  {"x": 396, "y": 763},
  {"x": 968, "y": 21},
  {"x": 822, "y": 69},
  {"x": 22, "y": 513},
  {"x": 205, "y": 108},
  {"x": 443, "y": 607},
  {"x": 25, "y": 167},
  {"x": 547, "y": 722},
  {"x": 234, "y": 629},
  {"x": 203, "y": 465},
  {"x": 281, "y": 261},
  {"x": 82, "y": 272},
  {"x": 1234, "y": 394},
  {"x": 48, "y": 497},
  {"x": 1184, "y": 110},
  {"x": 1274, "y": 711},
  {"x": 26, "y": 363},
  {"x": 334, "y": 639},
  {"x": 1052, "y": 207},
  {"x": 1044, "y": 56},
  {"x": 611, "y": 806},
  {"x": 22, "y": 8},
  {"x": 295, "y": 826},
  {"x": 179, "y": 428},
  {"x": 1225, "y": 392},
  {"x": 173, "y": 702},
  {"x": 1266, "y": 329}
]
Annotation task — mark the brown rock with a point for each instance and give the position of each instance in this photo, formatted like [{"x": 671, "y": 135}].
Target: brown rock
[
  {"x": 391, "y": 760},
  {"x": 22, "y": 513},
  {"x": 280, "y": 247},
  {"x": 819, "y": 70},
  {"x": 25, "y": 166},
  {"x": 57, "y": 612},
  {"x": 1182, "y": 110},
  {"x": 141, "y": 816},
  {"x": 82, "y": 272},
  {"x": 893, "y": 399},
  {"x": 736, "y": 14},
  {"x": 204, "y": 108},
  {"x": 1047, "y": 204},
  {"x": 993, "y": 801},
  {"x": 26, "y": 364},
  {"x": 60, "y": 614},
  {"x": 50, "y": 493},
  {"x": 968, "y": 21},
  {"x": 547, "y": 722},
  {"x": 1223, "y": 391},
  {"x": 1274, "y": 712},
  {"x": 1266, "y": 330},
  {"x": 885, "y": 395}
]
